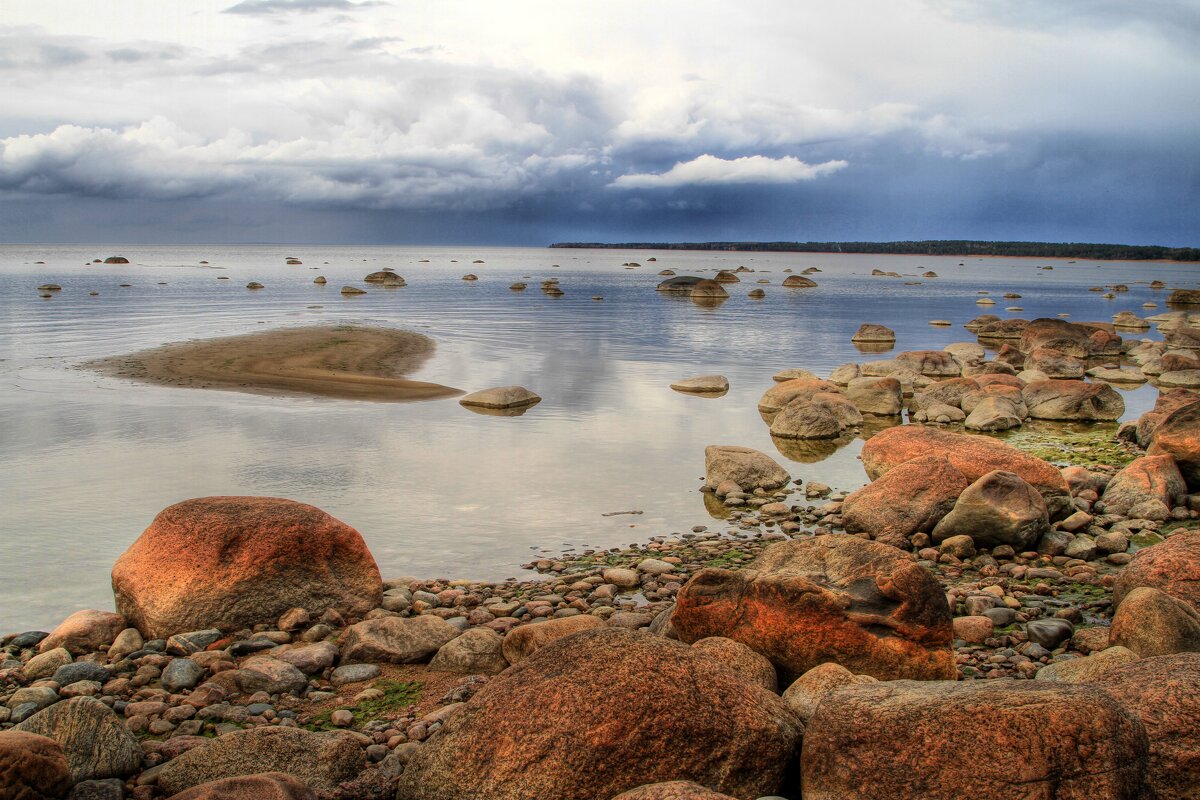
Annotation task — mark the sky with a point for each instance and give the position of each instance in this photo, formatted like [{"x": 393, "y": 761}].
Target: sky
[{"x": 523, "y": 123}]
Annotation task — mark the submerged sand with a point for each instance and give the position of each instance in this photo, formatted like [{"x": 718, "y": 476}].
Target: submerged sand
[{"x": 349, "y": 362}]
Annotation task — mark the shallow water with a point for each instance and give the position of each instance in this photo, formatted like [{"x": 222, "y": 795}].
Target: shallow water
[{"x": 87, "y": 460}]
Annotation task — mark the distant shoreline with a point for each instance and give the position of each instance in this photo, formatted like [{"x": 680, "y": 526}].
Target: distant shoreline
[{"x": 951, "y": 247}]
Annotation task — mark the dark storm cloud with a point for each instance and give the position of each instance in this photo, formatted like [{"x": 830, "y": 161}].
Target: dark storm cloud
[{"x": 271, "y": 7}]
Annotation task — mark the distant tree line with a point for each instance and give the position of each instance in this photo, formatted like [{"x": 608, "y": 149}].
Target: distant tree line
[{"x": 945, "y": 247}]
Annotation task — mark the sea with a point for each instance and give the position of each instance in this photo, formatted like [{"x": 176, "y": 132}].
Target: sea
[{"x": 87, "y": 461}]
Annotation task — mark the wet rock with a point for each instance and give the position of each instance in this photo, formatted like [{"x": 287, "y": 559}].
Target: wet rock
[
  {"x": 798, "y": 282},
  {"x": 1049, "y": 633},
  {"x": 234, "y": 562},
  {"x": 909, "y": 739},
  {"x": 874, "y": 334},
  {"x": 997, "y": 509},
  {"x": 396, "y": 640},
  {"x": 320, "y": 760},
  {"x": 784, "y": 393},
  {"x": 32, "y": 767},
  {"x": 702, "y": 384},
  {"x": 501, "y": 397},
  {"x": 596, "y": 688},
  {"x": 909, "y": 499},
  {"x": 708, "y": 289},
  {"x": 525, "y": 640},
  {"x": 804, "y": 419},
  {"x": 96, "y": 742},
  {"x": 879, "y": 396},
  {"x": 748, "y": 468},
  {"x": 836, "y": 598}
]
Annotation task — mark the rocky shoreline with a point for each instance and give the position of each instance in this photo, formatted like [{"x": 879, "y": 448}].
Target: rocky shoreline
[{"x": 973, "y": 622}]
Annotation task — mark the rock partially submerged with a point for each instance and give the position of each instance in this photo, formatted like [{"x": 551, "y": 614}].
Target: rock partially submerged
[
  {"x": 703, "y": 384},
  {"x": 501, "y": 397},
  {"x": 748, "y": 468}
]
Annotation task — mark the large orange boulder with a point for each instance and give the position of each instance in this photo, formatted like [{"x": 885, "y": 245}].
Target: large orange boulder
[
  {"x": 972, "y": 455},
  {"x": 264, "y": 786},
  {"x": 235, "y": 562},
  {"x": 599, "y": 713},
  {"x": 1002, "y": 739},
  {"x": 912, "y": 498},
  {"x": 1172, "y": 566},
  {"x": 1145, "y": 478},
  {"x": 861, "y": 604},
  {"x": 1162, "y": 692},
  {"x": 1178, "y": 435},
  {"x": 32, "y": 767},
  {"x": 1168, "y": 402}
]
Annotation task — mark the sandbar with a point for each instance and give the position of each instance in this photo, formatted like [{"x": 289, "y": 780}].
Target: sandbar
[{"x": 341, "y": 361}]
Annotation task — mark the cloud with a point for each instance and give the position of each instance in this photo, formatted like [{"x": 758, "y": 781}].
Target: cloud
[
  {"x": 709, "y": 170},
  {"x": 270, "y": 7}
]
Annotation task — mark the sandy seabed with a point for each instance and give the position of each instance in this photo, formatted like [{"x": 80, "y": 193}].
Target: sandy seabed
[{"x": 349, "y": 362}]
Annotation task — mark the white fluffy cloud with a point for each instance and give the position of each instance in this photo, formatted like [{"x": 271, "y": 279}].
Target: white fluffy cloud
[{"x": 708, "y": 170}]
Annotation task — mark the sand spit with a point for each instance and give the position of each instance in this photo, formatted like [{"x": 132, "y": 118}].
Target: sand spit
[{"x": 349, "y": 362}]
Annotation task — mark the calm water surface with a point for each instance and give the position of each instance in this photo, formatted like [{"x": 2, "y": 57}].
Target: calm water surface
[{"x": 86, "y": 461}]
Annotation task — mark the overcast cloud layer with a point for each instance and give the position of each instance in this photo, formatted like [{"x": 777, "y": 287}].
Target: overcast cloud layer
[{"x": 372, "y": 121}]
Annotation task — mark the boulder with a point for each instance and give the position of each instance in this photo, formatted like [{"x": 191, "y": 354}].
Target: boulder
[
  {"x": 798, "y": 282},
  {"x": 672, "y": 790},
  {"x": 912, "y": 498},
  {"x": 1178, "y": 435},
  {"x": 747, "y": 664},
  {"x": 998, "y": 508},
  {"x": 1073, "y": 401},
  {"x": 607, "y": 691},
  {"x": 948, "y": 392},
  {"x": 993, "y": 413},
  {"x": 972, "y": 455},
  {"x": 1161, "y": 691},
  {"x": 930, "y": 363},
  {"x": 1180, "y": 379},
  {"x": 1145, "y": 478},
  {"x": 861, "y": 604},
  {"x": 1184, "y": 297},
  {"x": 1056, "y": 334},
  {"x": 1168, "y": 402},
  {"x": 804, "y": 419},
  {"x": 1172, "y": 566},
  {"x": 807, "y": 691},
  {"x": 793, "y": 374},
  {"x": 311, "y": 658},
  {"x": 869, "y": 333},
  {"x": 319, "y": 760},
  {"x": 1151, "y": 622},
  {"x": 525, "y": 640},
  {"x": 32, "y": 767},
  {"x": 879, "y": 396},
  {"x": 501, "y": 397},
  {"x": 84, "y": 632},
  {"x": 236, "y": 562},
  {"x": 1088, "y": 668},
  {"x": 270, "y": 675},
  {"x": 1055, "y": 364},
  {"x": 264, "y": 786},
  {"x": 476, "y": 652},
  {"x": 681, "y": 284},
  {"x": 945, "y": 740},
  {"x": 94, "y": 739},
  {"x": 749, "y": 469},
  {"x": 396, "y": 640},
  {"x": 784, "y": 393}
]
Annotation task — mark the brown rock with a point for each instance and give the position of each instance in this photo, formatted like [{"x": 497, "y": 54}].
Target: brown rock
[
  {"x": 1178, "y": 435},
  {"x": 1088, "y": 668},
  {"x": 879, "y": 396},
  {"x": 748, "y": 468},
  {"x": 1172, "y": 566},
  {"x": 875, "y": 334},
  {"x": 94, "y": 739},
  {"x": 1055, "y": 364},
  {"x": 524, "y": 640},
  {"x": 607, "y": 691},
  {"x": 320, "y": 760},
  {"x": 264, "y": 786},
  {"x": 1073, "y": 400},
  {"x": 32, "y": 767},
  {"x": 234, "y": 562},
  {"x": 784, "y": 393},
  {"x": 1145, "y": 478},
  {"x": 949, "y": 392},
  {"x": 931, "y": 363},
  {"x": 972, "y": 455},
  {"x": 1167, "y": 402},
  {"x": 747, "y": 664},
  {"x": 1162, "y": 692},
  {"x": 807, "y": 691},
  {"x": 477, "y": 651},
  {"x": 84, "y": 632},
  {"x": 912, "y": 498},
  {"x": 837, "y": 598},
  {"x": 999, "y": 508},
  {"x": 798, "y": 282},
  {"x": 1151, "y": 622},
  {"x": 396, "y": 640},
  {"x": 1000, "y": 739},
  {"x": 672, "y": 790},
  {"x": 1056, "y": 334}
]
